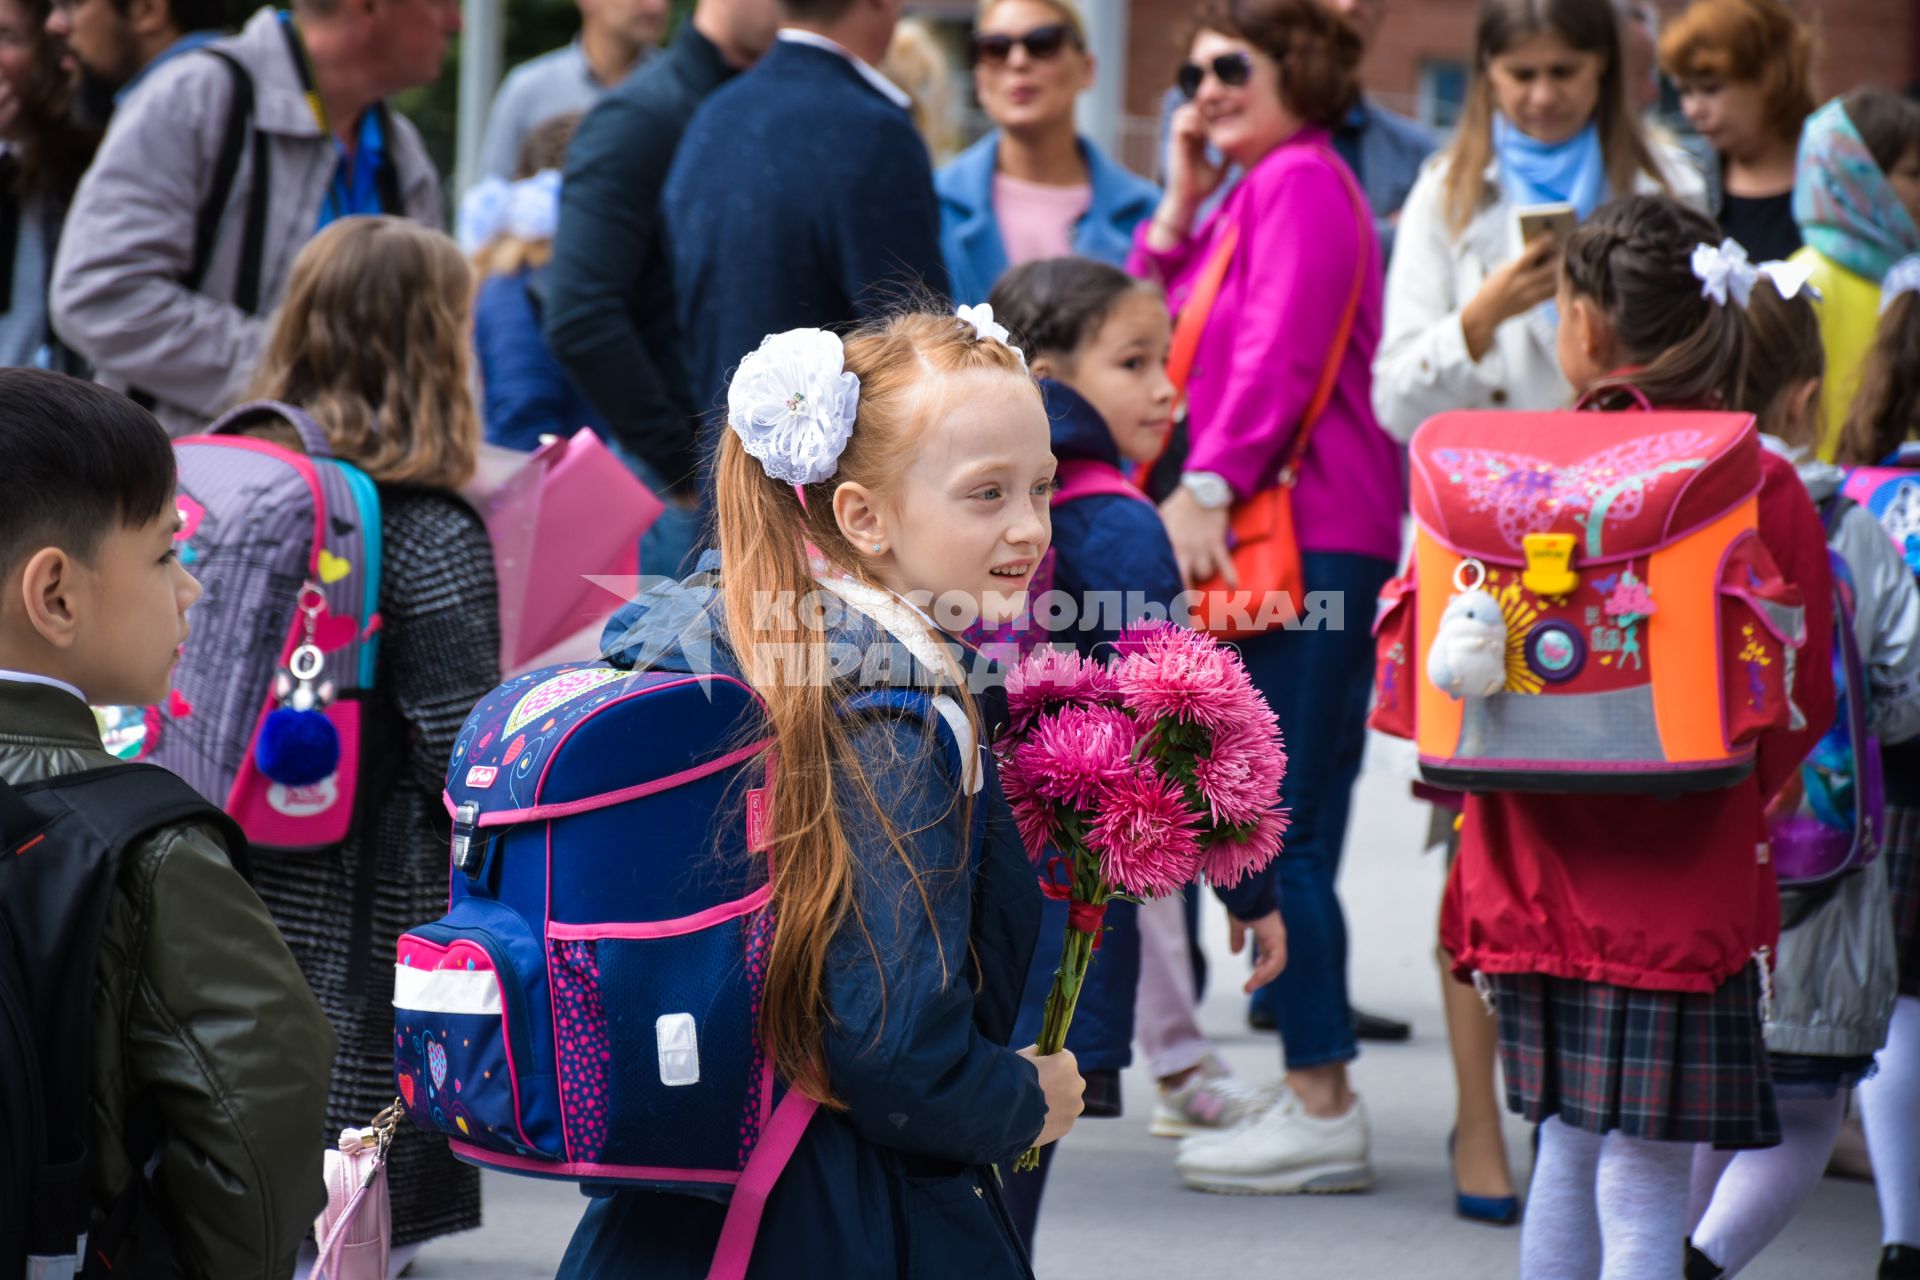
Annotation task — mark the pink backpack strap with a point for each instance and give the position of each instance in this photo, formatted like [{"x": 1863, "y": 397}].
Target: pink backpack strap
[
  {"x": 770, "y": 1155},
  {"x": 1084, "y": 478}
]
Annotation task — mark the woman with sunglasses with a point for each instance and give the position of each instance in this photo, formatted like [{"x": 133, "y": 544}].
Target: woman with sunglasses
[
  {"x": 1547, "y": 121},
  {"x": 1293, "y": 261},
  {"x": 1033, "y": 187}
]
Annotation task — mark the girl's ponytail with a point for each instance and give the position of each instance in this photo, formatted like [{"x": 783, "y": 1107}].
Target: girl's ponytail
[{"x": 1634, "y": 260}]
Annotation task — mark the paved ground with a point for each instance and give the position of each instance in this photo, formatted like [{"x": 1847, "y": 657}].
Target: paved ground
[{"x": 1115, "y": 1207}]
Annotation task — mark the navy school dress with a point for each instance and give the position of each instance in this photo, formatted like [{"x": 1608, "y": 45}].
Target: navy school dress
[{"x": 899, "y": 1182}]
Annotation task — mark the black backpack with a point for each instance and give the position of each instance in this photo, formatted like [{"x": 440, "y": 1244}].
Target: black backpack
[{"x": 61, "y": 843}]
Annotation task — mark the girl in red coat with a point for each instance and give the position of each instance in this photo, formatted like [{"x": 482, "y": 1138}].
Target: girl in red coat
[{"x": 1625, "y": 939}]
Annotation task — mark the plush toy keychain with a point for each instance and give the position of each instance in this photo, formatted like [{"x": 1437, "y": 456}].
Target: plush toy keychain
[
  {"x": 1468, "y": 658},
  {"x": 298, "y": 745}
]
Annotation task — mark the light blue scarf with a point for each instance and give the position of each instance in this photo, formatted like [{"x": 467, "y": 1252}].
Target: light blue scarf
[{"x": 1533, "y": 172}]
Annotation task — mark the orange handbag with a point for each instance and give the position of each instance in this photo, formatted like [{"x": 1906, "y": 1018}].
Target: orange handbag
[{"x": 1261, "y": 537}]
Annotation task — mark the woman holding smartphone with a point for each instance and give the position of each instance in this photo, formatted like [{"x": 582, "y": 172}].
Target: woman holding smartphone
[
  {"x": 1470, "y": 321},
  {"x": 1471, "y": 324}
]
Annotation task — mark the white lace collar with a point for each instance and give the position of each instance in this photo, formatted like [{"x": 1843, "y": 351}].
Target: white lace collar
[{"x": 911, "y": 625}]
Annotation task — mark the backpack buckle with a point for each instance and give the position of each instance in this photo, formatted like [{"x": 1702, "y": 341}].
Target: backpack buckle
[
  {"x": 1549, "y": 569},
  {"x": 469, "y": 853}
]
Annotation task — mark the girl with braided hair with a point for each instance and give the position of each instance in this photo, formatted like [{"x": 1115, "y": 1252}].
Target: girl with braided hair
[{"x": 1624, "y": 939}]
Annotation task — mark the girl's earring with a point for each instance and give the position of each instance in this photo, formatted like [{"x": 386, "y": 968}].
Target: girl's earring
[{"x": 876, "y": 548}]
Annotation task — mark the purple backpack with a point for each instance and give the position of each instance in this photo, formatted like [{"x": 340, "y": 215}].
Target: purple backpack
[
  {"x": 1837, "y": 817},
  {"x": 264, "y": 718}
]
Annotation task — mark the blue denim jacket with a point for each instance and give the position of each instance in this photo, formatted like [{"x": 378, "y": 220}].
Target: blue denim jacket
[{"x": 970, "y": 232}]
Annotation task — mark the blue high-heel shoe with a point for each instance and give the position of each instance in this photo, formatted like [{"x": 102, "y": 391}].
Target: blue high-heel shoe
[{"x": 1491, "y": 1211}]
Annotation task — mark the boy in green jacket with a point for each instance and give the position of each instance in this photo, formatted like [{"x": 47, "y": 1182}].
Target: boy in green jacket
[{"x": 205, "y": 1035}]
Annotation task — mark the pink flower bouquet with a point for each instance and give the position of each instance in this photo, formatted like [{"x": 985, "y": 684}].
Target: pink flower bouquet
[{"x": 1131, "y": 778}]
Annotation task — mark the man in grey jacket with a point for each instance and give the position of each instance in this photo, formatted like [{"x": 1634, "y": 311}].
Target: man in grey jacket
[{"x": 125, "y": 293}]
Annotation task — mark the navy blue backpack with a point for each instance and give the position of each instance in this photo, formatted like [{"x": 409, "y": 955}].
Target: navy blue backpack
[{"x": 588, "y": 1008}]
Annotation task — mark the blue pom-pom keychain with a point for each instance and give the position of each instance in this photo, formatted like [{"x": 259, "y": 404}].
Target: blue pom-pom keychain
[
  {"x": 298, "y": 745},
  {"x": 297, "y": 748}
]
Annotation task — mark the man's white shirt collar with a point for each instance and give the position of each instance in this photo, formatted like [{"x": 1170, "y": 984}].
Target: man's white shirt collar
[{"x": 887, "y": 88}]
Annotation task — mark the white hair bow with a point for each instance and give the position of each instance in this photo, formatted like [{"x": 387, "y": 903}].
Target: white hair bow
[
  {"x": 526, "y": 210},
  {"x": 986, "y": 327},
  {"x": 792, "y": 403},
  {"x": 1725, "y": 272},
  {"x": 1904, "y": 278}
]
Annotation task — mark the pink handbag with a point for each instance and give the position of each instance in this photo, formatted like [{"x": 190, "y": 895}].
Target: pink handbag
[
  {"x": 355, "y": 1230},
  {"x": 559, "y": 518}
]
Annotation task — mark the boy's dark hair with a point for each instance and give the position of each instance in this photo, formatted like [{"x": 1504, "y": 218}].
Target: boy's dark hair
[
  {"x": 1634, "y": 260},
  {"x": 1054, "y": 305},
  {"x": 1888, "y": 123},
  {"x": 81, "y": 461},
  {"x": 1783, "y": 353},
  {"x": 1886, "y": 411}
]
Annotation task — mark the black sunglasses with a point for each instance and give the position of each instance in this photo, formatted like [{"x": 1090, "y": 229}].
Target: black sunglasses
[
  {"x": 1231, "y": 69},
  {"x": 1041, "y": 43}
]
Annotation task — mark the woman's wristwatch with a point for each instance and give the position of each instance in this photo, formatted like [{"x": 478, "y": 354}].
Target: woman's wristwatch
[{"x": 1208, "y": 488}]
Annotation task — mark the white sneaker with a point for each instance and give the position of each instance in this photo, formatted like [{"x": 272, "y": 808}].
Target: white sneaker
[
  {"x": 1208, "y": 1104},
  {"x": 1283, "y": 1152}
]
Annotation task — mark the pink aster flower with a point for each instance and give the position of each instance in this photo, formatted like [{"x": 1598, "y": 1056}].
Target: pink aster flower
[
  {"x": 1169, "y": 672},
  {"x": 1074, "y": 753},
  {"x": 1033, "y": 813},
  {"x": 1239, "y": 775},
  {"x": 1049, "y": 677},
  {"x": 1145, "y": 835},
  {"x": 1228, "y": 862}
]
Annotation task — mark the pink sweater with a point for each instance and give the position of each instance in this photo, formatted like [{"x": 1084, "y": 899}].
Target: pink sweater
[{"x": 1266, "y": 344}]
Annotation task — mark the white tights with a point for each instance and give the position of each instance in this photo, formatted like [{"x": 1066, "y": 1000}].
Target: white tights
[
  {"x": 1743, "y": 1199},
  {"x": 1890, "y": 1110},
  {"x": 1612, "y": 1208}
]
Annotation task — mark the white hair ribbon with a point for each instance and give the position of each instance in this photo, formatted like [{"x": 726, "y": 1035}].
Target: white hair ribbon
[
  {"x": 526, "y": 210},
  {"x": 1791, "y": 278},
  {"x": 1724, "y": 272},
  {"x": 792, "y": 403},
  {"x": 1904, "y": 278},
  {"x": 1727, "y": 274},
  {"x": 985, "y": 327}
]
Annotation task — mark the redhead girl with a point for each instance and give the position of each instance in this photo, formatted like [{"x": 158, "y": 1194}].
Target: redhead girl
[{"x": 913, "y": 461}]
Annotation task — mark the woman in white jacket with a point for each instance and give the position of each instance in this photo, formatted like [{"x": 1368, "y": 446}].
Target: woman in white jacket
[{"x": 1470, "y": 322}]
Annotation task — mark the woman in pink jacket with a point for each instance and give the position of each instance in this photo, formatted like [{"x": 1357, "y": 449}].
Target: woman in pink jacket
[{"x": 1264, "y": 80}]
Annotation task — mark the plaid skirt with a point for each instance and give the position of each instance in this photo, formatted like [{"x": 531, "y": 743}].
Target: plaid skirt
[
  {"x": 1663, "y": 1065},
  {"x": 1902, "y": 852}
]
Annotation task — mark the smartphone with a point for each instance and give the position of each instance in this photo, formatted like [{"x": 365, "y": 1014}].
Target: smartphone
[{"x": 1556, "y": 220}]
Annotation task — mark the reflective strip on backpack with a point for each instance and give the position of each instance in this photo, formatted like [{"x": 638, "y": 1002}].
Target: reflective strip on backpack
[{"x": 475, "y": 991}]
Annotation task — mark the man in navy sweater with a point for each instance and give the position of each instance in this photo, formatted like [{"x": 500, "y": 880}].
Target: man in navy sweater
[
  {"x": 800, "y": 196},
  {"x": 609, "y": 293}
]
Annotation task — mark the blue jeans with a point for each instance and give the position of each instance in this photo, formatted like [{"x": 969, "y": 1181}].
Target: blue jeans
[{"x": 1317, "y": 683}]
